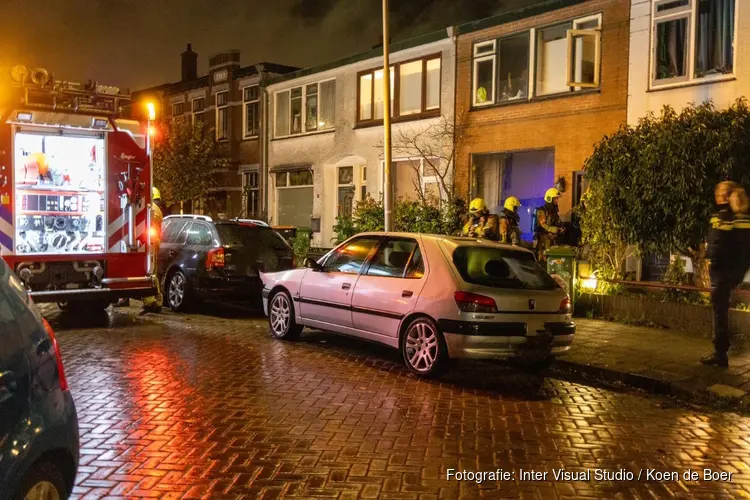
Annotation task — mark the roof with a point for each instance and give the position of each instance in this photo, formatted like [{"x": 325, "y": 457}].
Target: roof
[
  {"x": 456, "y": 240},
  {"x": 435, "y": 36},
  {"x": 515, "y": 15}
]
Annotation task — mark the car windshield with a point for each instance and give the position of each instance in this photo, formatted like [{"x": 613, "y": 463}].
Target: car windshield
[
  {"x": 250, "y": 235},
  {"x": 501, "y": 268}
]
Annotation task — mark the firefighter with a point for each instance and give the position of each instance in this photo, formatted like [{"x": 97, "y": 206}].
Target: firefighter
[
  {"x": 154, "y": 303},
  {"x": 724, "y": 268},
  {"x": 548, "y": 227},
  {"x": 510, "y": 229},
  {"x": 481, "y": 223}
]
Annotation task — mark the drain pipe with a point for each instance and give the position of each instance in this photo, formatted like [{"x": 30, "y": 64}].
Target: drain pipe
[{"x": 263, "y": 141}]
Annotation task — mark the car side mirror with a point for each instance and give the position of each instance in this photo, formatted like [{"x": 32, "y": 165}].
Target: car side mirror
[{"x": 311, "y": 263}]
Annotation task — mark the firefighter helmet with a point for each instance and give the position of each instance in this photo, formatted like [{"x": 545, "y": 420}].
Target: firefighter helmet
[
  {"x": 512, "y": 203},
  {"x": 551, "y": 194},
  {"x": 477, "y": 206},
  {"x": 155, "y": 194}
]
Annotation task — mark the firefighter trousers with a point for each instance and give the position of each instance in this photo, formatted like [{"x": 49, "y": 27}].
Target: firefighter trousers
[
  {"x": 155, "y": 300},
  {"x": 723, "y": 282}
]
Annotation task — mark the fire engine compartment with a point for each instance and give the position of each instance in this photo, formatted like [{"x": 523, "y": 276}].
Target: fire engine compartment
[{"x": 59, "y": 198}]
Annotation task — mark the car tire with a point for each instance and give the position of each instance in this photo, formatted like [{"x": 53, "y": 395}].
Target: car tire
[
  {"x": 43, "y": 477},
  {"x": 424, "y": 349},
  {"x": 177, "y": 291},
  {"x": 281, "y": 320}
]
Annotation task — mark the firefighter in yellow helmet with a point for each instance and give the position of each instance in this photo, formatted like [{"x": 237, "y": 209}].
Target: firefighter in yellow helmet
[
  {"x": 510, "y": 229},
  {"x": 481, "y": 223},
  {"x": 153, "y": 304},
  {"x": 548, "y": 227}
]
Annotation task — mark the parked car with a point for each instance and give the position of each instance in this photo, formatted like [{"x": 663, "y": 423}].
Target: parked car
[
  {"x": 435, "y": 298},
  {"x": 200, "y": 259},
  {"x": 39, "y": 440}
]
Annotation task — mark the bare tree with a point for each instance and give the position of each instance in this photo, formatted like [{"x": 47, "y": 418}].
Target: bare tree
[{"x": 436, "y": 146}]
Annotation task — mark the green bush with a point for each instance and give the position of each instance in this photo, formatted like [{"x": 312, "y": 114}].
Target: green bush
[{"x": 301, "y": 247}]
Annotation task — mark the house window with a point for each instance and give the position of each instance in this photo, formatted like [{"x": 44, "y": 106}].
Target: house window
[
  {"x": 294, "y": 198},
  {"x": 417, "y": 92},
  {"x": 566, "y": 58},
  {"x": 251, "y": 182},
  {"x": 251, "y": 115},
  {"x": 198, "y": 106},
  {"x": 363, "y": 186},
  {"x": 580, "y": 186},
  {"x": 178, "y": 109},
  {"x": 317, "y": 99},
  {"x": 415, "y": 178},
  {"x": 222, "y": 116},
  {"x": 709, "y": 24}
]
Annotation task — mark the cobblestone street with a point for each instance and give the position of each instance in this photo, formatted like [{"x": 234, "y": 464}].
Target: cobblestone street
[{"x": 190, "y": 406}]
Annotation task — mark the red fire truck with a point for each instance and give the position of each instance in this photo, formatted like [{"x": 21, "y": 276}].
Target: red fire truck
[{"x": 75, "y": 187}]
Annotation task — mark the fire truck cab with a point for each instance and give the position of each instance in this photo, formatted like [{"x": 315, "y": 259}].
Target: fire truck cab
[{"x": 75, "y": 190}]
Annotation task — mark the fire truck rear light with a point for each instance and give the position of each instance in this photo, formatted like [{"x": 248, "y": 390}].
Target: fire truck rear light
[{"x": 215, "y": 258}]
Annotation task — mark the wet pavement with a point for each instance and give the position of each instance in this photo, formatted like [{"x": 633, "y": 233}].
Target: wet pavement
[{"x": 192, "y": 406}]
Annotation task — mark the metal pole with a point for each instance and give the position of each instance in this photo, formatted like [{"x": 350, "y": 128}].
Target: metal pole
[{"x": 388, "y": 184}]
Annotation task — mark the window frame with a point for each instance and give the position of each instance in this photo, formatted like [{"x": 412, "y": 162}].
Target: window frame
[
  {"x": 479, "y": 58},
  {"x": 303, "y": 128},
  {"x": 382, "y": 244},
  {"x": 689, "y": 12},
  {"x": 245, "y": 104},
  {"x": 368, "y": 258},
  {"x": 249, "y": 189},
  {"x": 178, "y": 105},
  {"x": 396, "y": 97},
  {"x": 219, "y": 108},
  {"x": 194, "y": 112}
]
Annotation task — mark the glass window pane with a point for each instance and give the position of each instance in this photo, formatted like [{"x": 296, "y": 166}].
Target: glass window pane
[
  {"x": 295, "y": 206},
  {"x": 297, "y": 92},
  {"x": 251, "y": 93},
  {"x": 485, "y": 88},
  {"x": 280, "y": 179},
  {"x": 392, "y": 258},
  {"x": 484, "y": 48},
  {"x": 301, "y": 178},
  {"x": 221, "y": 99},
  {"x": 251, "y": 119},
  {"x": 672, "y": 5},
  {"x": 311, "y": 108},
  {"x": 346, "y": 175},
  {"x": 514, "y": 67},
  {"x": 714, "y": 37},
  {"x": 416, "y": 267},
  {"x": 222, "y": 124},
  {"x": 671, "y": 49},
  {"x": 345, "y": 201},
  {"x": 432, "y": 100},
  {"x": 378, "y": 93},
  {"x": 584, "y": 59},
  {"x": 410, "y": 78},
  {"x": 199, "y": 234},
  {"x": 500, "y": 268},
  {"x": 282, "y": 114},
  {"x": 198, "y": 104},
  {"x": 552, "y": 56},
  {"x": 365, "y": 97},
  {"x": 350, "y": 257},
  {"x": 327, "y": 110},
  {"x": 296, "y": 111}
]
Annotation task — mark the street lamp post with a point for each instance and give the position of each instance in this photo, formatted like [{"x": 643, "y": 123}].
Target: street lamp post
[{"x": 388, "y": 184}]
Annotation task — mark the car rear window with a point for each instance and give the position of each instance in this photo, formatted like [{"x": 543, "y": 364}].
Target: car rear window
[
  {"x": 248, "y": 235},
  {"x": 501, "y": 268}
]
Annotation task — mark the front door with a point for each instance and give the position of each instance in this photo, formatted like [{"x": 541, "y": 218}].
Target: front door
[
  {"x": 388, "y": 289},
  {"x": 326, "y": 295}
]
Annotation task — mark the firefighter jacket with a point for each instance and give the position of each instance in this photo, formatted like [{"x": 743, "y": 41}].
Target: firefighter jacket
[
  {"x": 548, "y": 219},
  {"x": 740, "y": 238},
  {"x": 510, "y": 230},
  {"x": 719, "y": 250},
  {"x": 485, "y": 227},
  {"x": 156, "y": 218}
]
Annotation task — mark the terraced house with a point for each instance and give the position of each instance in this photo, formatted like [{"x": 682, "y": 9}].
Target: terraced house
[
  {"x": 326, "y": 130},
  {"x": 539, "y": 87}
]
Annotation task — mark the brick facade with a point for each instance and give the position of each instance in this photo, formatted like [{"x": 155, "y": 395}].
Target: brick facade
[{"x": 571, "y": 123}]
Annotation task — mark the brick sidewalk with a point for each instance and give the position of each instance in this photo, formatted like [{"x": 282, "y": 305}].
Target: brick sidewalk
[{"x": 657, "y": 359}]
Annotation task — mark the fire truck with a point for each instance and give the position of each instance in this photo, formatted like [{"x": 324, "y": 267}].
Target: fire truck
[{"x": 75, "y": 190}]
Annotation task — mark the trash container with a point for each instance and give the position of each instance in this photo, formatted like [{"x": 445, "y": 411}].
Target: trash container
[
  {"x": 561, "y": 265},
  {"x": 287, "y": 232}
]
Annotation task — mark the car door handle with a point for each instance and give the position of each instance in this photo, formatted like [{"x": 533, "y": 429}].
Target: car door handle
[
  {"x": 346, "y": 286},
  {"x": 8, "y": 382},
  {"x": 407, "y": 293}
]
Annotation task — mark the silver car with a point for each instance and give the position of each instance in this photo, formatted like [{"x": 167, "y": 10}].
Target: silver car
[{"x": 435, "y": 298}]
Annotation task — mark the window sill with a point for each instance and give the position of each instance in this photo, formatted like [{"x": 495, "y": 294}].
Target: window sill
[
  {"x": 408, "y": 118},
  {"x": 548, "y": 97},
  {"x": 306, "y": 134},
  {"x": 251, "y": 137},
  {"x": 706, "y": 80}
]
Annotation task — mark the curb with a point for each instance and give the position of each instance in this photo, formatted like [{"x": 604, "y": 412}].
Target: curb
[{"x": 581, "y": 373}]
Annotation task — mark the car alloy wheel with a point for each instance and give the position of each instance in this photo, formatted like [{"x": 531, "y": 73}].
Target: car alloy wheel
[
  {"x": 43, "y": 490},
  {"x": 281, "y": 317},
  {"x": 176, "y": 290},
  {"x": 423, "y": 348}
]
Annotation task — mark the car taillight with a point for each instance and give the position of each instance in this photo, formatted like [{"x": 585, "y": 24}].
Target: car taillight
[
  {"x": 472, "y": 302},
  {"x": 58, "y": 356},
  {"x": 215, "y": 258},
  {"x": 565, "y": 306}
]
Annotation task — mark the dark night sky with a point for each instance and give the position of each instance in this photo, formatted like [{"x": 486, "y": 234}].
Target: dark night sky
[{"x": 136, "y": 43}]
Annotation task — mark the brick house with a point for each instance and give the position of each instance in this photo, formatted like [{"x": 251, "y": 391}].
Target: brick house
[
  {"x": 538, "y": 88},
  {"x": 230, "y": 100}
]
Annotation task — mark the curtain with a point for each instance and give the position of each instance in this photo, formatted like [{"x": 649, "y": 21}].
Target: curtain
[{"x": 714, "y": 37}]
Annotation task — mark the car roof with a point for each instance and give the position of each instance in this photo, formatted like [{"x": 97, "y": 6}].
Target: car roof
[{"x": 455, "y": 240}]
